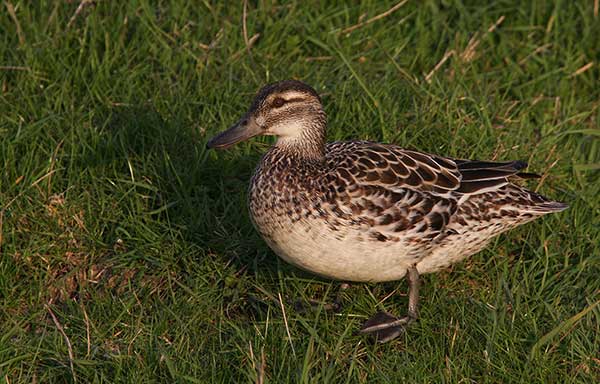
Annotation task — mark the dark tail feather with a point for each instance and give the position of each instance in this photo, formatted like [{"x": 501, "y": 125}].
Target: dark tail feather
[
  {"x": 514, "y": 165},
  {"x": 479, "y": 175},
  {"x": 527, "y": 175},
  {"x": 494, "y": 169}
]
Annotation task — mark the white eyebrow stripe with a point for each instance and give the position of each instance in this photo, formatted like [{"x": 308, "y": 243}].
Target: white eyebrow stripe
[{"x": 288, "y": 95}]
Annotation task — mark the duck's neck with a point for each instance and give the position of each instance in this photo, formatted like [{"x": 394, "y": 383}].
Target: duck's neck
[{"x": 309, "y": 143}]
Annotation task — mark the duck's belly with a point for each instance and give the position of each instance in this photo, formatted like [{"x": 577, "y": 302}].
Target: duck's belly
[
  {"x": 343, "y": 254},
  {"x": 350, "y": 254}
]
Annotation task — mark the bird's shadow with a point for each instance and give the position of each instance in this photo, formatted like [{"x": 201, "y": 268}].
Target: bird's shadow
[{"x": 198, "y": 194}]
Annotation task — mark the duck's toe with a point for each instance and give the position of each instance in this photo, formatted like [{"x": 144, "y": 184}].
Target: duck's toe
[{"x": 384, "y": 326}]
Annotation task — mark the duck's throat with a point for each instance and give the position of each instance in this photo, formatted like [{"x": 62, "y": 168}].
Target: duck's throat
[{"x": 307, "y": 143}]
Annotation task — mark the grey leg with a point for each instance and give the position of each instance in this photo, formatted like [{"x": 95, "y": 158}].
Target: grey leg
[
  {"x": 338, "y": 303},
  {"x": 335, "y": 307},
  {"x": 384, "y": 326}
]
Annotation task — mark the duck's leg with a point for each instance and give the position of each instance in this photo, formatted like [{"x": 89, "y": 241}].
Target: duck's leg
[
  {"x": 384, "y": 326},
  {"x": 335, "y": 307},
  {"x": 338, "y": 302}
]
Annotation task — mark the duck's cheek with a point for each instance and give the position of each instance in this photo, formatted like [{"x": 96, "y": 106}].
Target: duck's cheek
[
  {"x": 288, "y": 128},
  {"x": 260, "y": 120}
]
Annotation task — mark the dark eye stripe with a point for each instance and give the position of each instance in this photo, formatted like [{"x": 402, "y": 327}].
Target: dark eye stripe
[
  {"x": 279, "y": 102},
  {"x": 294, "y": 99}
]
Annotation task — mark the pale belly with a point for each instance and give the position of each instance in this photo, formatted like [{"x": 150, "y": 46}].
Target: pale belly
[
  {"x": 348, "y": 255},
  {"x": 316, "y": 249}
]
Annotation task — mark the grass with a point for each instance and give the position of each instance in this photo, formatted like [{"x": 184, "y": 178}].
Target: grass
[{"x": 127, "y": 246}]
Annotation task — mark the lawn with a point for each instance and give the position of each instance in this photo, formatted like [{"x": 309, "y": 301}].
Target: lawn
[{"x": 126, "y": 250}]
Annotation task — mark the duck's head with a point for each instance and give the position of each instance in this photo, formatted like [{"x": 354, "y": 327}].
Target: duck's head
[{"x": 290, "y": 110}]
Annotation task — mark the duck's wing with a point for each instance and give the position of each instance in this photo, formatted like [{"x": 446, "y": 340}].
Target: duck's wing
[
  {"x": 406, "y": 193},
  {"x": 392, "y": 167}
]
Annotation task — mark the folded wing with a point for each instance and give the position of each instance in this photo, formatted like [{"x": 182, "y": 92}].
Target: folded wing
[{"x": 409, "y": 190}]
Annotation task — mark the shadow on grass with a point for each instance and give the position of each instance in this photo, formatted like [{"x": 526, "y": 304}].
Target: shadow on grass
[{"x": 170, "y": 189}]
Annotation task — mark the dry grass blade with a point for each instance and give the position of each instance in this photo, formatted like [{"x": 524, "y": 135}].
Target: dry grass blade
[
  {"x": 214, "y": 41},
  {"x": 318, "y": 58},
  {"x": 263, "y": 364},
  {"x": 287, "y": 328},
  {"x": 539, "y": 49},
  {"x": 13, "y": 68},
  {"x": 13, "y": 15},
  {"x": 260, "y": 370},
  {"x": 87, "y": 330},
  {"x": 69, "y": 346},
  {"x": 545, "y": 175},
  {"x": 52, "y": 163},
  {"x": 248, "y": 42},
  {"x": 244, "y": 24},
  {"x": 252, "y": 359},
  {"x": 375, "y": 18},
  {"x": 582, "y": 69},
  {"x": 469, "y": 53},
  {"x": 431, "y": 73},
  {"x": 82, "y": 5},
  {"x": 1, "y": 227},
  {"x": 251, "y": 42}
]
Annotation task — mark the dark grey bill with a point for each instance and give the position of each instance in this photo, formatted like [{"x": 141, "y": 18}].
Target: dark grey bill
[{"x": 242, "y": 130}]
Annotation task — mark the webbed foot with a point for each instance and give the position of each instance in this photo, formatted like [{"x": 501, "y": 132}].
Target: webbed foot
[{"x": 384, "y": 326}]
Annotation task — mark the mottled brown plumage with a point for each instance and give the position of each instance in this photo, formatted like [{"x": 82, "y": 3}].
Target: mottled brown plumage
[{"x": 363, "y": 211}]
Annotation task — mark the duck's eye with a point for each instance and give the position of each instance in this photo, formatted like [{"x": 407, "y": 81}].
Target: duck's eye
[{"x": 278, "y": 102}]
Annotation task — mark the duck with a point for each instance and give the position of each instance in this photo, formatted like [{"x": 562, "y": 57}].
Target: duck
[{"x": 362, "y": 211}]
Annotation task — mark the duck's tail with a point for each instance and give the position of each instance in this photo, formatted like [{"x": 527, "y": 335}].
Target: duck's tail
[
  {"x": 487, "y": 176},
  {"x": 533, "y": 202}
]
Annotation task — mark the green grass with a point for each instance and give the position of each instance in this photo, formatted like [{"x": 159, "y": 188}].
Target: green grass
[{"x": 116, "y": 220}]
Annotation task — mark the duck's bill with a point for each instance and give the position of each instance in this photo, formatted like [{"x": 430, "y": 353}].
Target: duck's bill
[{"x": 242, "y": 130}]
